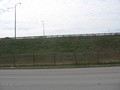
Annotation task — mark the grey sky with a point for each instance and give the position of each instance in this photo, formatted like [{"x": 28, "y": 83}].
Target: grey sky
[{"x": 59, "y": 16}]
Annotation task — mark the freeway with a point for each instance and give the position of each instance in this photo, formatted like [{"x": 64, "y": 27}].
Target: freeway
[{"x": 102, "y": 78}]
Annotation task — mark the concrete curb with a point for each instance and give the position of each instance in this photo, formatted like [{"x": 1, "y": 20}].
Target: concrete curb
[{"x": 61, "y": 66}]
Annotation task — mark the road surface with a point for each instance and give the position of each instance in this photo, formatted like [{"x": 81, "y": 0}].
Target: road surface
[{"x": 105, "y": 78}]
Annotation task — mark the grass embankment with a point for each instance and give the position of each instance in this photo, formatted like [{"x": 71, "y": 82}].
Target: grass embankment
[{"x": 60, "y": 50}]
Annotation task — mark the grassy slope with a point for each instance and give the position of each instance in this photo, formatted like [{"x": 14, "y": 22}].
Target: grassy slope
[
  {"x": 61, "y": 44},
  {"x": 60, "y": 50}
]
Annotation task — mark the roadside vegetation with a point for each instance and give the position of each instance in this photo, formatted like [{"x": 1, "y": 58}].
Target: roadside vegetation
[{"x": 60, "y": 50}]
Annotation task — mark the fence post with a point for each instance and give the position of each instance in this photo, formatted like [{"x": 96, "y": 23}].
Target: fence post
[
  {"x": 118, "y": 50},
  {"x": 14, "y": 60},
  {"x": 54, "y": 58},
  {"x": 33, "y": 59},
  {"x": 97, "y": 50},
  {"x": 97, "y": 55},
  {"x": 75, "y": 54}
]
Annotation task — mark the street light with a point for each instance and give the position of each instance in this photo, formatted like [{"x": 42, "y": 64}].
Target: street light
[
  {"x": 14, "y": 62},
  {"x": 15, "y": 17},
  {"x": 43, "y": 28}
]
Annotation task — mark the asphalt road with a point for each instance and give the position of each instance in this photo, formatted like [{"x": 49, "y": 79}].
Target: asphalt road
[{"x": 105, "y": 78}]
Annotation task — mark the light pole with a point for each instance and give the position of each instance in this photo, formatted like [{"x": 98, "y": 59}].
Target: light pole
[
  {"x": 43, "y": 28},
  {"x": 14, "y": 62},
  {"x": 15, "y": 17}
]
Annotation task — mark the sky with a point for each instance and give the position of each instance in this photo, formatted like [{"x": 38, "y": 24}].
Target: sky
[{"x": 60, "y": 17}]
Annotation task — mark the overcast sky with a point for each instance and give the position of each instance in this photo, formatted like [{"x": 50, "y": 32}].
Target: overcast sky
[{"x": 59, "y": 16}]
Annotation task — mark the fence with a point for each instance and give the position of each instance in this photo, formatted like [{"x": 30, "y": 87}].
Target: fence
[
  {"x": 60, "y": 58},
  {"x": 69, "y": 35}
]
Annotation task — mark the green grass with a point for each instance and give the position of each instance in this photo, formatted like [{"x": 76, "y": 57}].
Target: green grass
[
  {"x": 61, "y": 50},
  {"x": 59, "y": 44}
]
